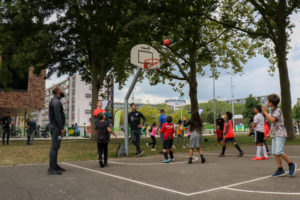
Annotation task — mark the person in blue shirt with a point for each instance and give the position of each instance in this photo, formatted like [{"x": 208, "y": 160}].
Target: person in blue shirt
[{"x": 162, "y": 119}]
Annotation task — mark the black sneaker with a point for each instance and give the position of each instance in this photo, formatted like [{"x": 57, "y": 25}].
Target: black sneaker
[
  {"x": 292, "y": 168},
  {"x": 59, "y": 168},
  {"x": 203, "y": 160},
  {"x": 241, "y": 154},
  {"x": 54, "y": 172},
  {"x": 101, "y": 164},
  {"x": 140, "y": 154},
  {"x": 190, "y": 161},
  {"x": 279, "y": 172}
]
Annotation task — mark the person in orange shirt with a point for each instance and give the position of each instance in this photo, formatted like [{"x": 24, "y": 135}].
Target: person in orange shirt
[{"x": 229, "y": 135}]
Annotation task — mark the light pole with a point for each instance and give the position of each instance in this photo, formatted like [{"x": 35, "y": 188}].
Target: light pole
[
  {"x": 232, "y": 103},
  {"x": 214, "y": 98}
]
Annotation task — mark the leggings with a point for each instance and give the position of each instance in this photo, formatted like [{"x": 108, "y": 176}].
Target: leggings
[
  {"x": 6, "y": 131},
  {"x": 153, "y": 143},
  {"x": 102, "y": 149}
]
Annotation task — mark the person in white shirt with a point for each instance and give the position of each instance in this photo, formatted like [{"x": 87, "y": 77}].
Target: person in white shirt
[{"x": 259, "y": 127}]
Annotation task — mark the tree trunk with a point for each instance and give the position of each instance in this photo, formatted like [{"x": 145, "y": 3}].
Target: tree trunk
[
  {"x": 97, "y": 81},
  {"x": 286, "y": 102},
  {"x": 281, "y": 53},
  {"x": 193, "y": 84}
]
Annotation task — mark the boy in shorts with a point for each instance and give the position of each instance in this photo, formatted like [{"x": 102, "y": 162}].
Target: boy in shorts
[
  {"x": 229, "y": 135},
  {"x": 168, "y": 130},
  {"x": 259, "y": 127},
  {"x": 278, "y": 134}
]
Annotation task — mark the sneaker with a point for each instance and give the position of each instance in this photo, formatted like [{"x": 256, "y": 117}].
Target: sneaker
[
  {"x": 101, "y": 164},
  {"x": 265, "y": 158},
  {"x": 166, "y": 161},
  {"x": 173, "y": 147},
  {"x": 140, "y": 154},
  {"x": 241, "y": 154},
  {"x": 153, "y": 149},
  {"x": 147, "y": 144},
  {"x": 292, "y": 168},
  {"x": 279, "y": 173},
  {"x": 59, "y": 168},
  {"x": 172, "y": 160},
  {"x": 203, "y": 161},
  {"x": 221, "y": 155},
  {"x": 190, "y": 161},
  {"x": 256, "y": 158}
]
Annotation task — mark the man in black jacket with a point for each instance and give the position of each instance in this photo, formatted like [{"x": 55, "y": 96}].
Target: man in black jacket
[
  {"x": 6, "y": 128},
  {"x": 134, "y": 118},
  {"x": 57, "y": 123}
]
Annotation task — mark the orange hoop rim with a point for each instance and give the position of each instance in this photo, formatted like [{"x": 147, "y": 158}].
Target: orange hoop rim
[{"x": 150, "y": 62}]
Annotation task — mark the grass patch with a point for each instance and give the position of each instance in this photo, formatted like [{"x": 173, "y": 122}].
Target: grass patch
[{"x": 74, "y": 150}]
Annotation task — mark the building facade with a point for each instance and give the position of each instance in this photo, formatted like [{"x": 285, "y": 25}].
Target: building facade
[
  {"x": 20, "y": 102},
  {"x": 175, "y": 104},
  {"x": 76, "y": 103}
]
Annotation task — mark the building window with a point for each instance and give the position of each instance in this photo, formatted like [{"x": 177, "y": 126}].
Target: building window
[
  {"x": 90, "y": 103},
  {"x": 87, "y": 111},
  {"x": 88, "y": 95}
]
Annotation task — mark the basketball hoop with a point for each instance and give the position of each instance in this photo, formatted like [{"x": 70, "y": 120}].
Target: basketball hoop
[{"x": 151, "y": 62}]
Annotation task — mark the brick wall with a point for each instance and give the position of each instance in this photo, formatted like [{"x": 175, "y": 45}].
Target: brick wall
[{"x": 32, "y": 99}]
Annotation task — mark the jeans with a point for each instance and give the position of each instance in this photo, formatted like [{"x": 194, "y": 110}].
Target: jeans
[
  {"x": 102, "y": 149},
  {"x": 7, "y": 132},
  {"x": 135, "y": 138},
  {"x": 56, "y": 140},
  {"x": 277, "y": 145}
]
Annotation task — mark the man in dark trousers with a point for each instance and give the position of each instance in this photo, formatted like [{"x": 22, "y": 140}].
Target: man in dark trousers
[
  {"x": 134, "y": 118},
  {"x": 6, "y": 128},
  {"x": 57, "y": 123}
]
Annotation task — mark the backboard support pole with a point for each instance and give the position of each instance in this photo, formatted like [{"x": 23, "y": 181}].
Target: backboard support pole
[{"x": 135, "y": 79}]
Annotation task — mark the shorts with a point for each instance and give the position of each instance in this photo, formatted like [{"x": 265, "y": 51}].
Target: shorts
[
  {"x": 220, "y": 139},
  {"x": 232, "y": 140},
  {"x": 259, "y": 137},
  {"x": 277, "y": 145},
  {"x": 167, "y": 144}
]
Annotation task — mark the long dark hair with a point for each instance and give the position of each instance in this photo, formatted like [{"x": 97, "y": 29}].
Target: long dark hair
[{"x": 196, "y": 122}]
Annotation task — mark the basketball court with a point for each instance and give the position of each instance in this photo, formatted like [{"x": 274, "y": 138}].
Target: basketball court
[{"x": 148, "y": 178}]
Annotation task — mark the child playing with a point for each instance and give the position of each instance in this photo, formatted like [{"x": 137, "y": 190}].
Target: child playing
[
  {"x": 168, "y": 130},
  {"x": 267, "y": 131},
  {"x": 219, "y": 133},
  {"x": 278, "y": 134},
  {"x": 229, "y": 135},
  {"x": 179, "y": 133},
  {"x": 196, "y": 135},
  {"x": 259, "y": 127},
  {"x": 152, "y": 135},
  {"x": 103, "y": 137}
]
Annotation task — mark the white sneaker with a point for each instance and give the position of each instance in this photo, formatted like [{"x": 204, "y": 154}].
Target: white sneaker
[
  {"x": 153, "y": 149},
  {"x": 173, "y": 160},
  {"x": 147, "y": 144}
]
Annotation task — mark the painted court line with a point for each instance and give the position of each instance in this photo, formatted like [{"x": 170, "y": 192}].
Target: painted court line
[
  {"x": 226, "y": 187},
  {"x": 127, "y": 179},
  {"x": 245, "y": 155},
  {"x": 263, "y": 192}
]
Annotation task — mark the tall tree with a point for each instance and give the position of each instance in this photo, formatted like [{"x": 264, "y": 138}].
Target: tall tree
[
  {"x": 250, "y": 104},
  {"x": 24, "y": 40},
  {"x": 269, "y": 23},
  {"x": 91, "y": 38},
  {"x": 196, "y": 43}
]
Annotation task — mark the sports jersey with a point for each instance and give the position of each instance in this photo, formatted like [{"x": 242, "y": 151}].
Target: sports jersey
[
  {"x": 168, "y": 131},
  {"x": 229, "y": 133}
]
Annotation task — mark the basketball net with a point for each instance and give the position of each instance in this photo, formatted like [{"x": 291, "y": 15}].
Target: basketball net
[{"x": 150, "y": 63}]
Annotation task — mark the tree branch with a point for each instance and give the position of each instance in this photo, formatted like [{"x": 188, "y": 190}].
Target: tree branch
[
  {"x": 295, "y": 4},
  {"x": 248, "y": 31},
  {"x": 186, "y": 77},
  {"x": 171, "y": 75},
  {"x": 214, "y": 39}
]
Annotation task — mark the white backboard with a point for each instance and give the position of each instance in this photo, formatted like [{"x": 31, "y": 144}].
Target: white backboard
[{"x": 139, "y": 53}]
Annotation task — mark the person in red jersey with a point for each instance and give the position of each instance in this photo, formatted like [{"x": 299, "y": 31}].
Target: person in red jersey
[
  {"x": 229, "y": 135},
  {"x": 168, "y": 130}
]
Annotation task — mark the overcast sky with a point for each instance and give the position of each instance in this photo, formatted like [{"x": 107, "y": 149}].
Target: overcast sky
[{"x": 255, "y": 80}]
